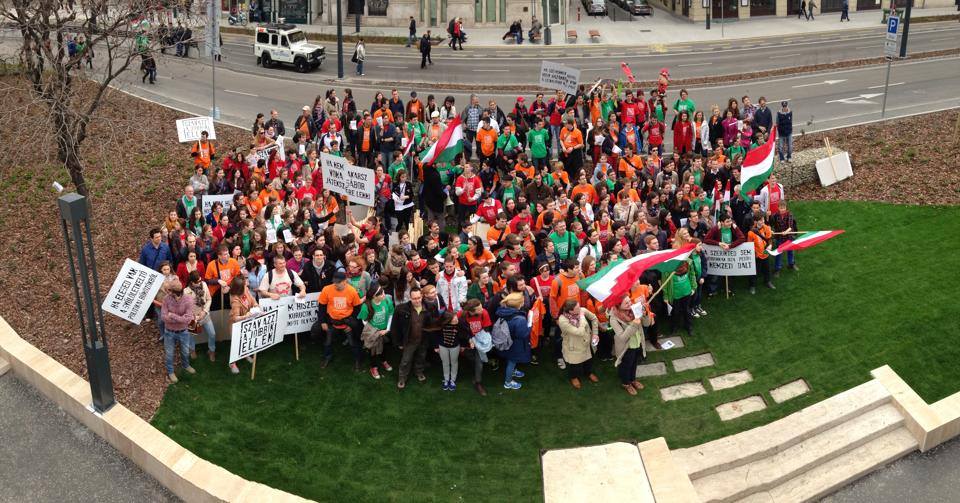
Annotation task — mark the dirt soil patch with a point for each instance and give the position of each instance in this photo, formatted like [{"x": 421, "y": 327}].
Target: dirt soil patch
[
  {"x": 915, "y": 160},
  {"x": 135, "y": 169}
]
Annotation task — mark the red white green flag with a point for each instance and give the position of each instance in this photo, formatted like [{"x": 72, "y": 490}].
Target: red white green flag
[
  {"x": 805, "y": 241},
  {"x": 758, "y": 164},
  {"x": 409, "y": 147},
  {"x": 611, "y": 283},
  {"x": 447, "y": 146}
]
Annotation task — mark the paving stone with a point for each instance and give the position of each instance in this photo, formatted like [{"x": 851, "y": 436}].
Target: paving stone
[
  {"x": 730, "y": 380},
  {"x": 735, "y": 409},
  {"x": 685, "y": 390},
  {"x": 677, "y": 343},
  {"x": 787, "y": 391},
  {"x": 693, "y": 362},
  {"x": 652, "y": 369}
]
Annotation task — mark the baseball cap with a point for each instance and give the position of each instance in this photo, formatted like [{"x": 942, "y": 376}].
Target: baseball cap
[
  {"x": 435, "y": 113},
  {"x": 305, "y": 108},
  {"x": 520, "y": 99},
  {"x": 783, "y": 103},
  {"x": 339, "y": 276}
]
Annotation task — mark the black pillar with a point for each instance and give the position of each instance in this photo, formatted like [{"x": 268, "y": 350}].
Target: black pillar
[
  {"x": 906, "y": 29},
  {"x": 339, "y": 41},
  {"x": 75, "y": 220}
]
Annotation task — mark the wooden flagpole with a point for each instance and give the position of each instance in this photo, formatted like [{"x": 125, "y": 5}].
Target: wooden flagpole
[{"x": 253, "y": 370}]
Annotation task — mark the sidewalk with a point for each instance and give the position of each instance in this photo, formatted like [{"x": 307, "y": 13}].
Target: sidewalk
[
  {"x": 47, "y": 456},
  {"x": 661, "y": 28}
]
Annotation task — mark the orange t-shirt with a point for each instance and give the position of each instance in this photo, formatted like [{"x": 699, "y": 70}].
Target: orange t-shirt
[
  {"x": 365, "y": 143},
  {"x": 486, "y": 257},
  {"x": 385, "y": 113},
  {"x": 571, "y": 138},
  {"x": 226, "y": 272},
  {"x": 628, "y": 170},
  {"x": 339, "y": 303},
  {"x": 204, "y": 153},
  {"x": 587, "y": 189},
  {"x": 539, "y": 223},
  {"x": 488, "y": 141},
  {"x": 561, "y": 289},
  {"x": 528, "y": 172}
]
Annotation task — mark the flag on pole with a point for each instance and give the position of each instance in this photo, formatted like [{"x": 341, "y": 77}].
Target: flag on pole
[
  {"x": 611, "y": 283},
  {"x": 758, "y": 164},
  {"x": 805, "y": 241},
  {"x": 447, "y": 146},
  {"x": 409, "y": 147}
]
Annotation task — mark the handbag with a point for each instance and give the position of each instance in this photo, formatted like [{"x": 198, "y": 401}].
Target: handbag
[{"x": 354, "y": 57}]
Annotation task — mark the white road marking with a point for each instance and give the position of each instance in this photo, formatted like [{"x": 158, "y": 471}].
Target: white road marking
[
  {"x": 240, "y": 92},
  {"x": 781, "y": 56},
  {"x": 827, "y": 82},
  {"x": 394, "y": 67},
  {"x": 491, "y": 70},
  {"x": 891, "y": 85},
  {"x": 863, "y": 99},
  {"x": 697, "y": 64}
]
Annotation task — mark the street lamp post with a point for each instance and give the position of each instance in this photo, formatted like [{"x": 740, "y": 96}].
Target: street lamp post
[
  {"x": 75, "y": 221},
  {"x": 339, "y": 41},
  {"x": 547, "y": 39}
]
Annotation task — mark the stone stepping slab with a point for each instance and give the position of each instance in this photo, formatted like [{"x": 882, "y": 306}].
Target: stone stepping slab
[
  {"x": 652, "y": 369},
  {"x": 684, "y": 390},
  {"x": 676, "y": 340},
  {"x": 730, "y": 380},
  {"x": 737, "y": 408},
  {"x": 790, "y": 390},
  {"x": 693, "y": 362}
]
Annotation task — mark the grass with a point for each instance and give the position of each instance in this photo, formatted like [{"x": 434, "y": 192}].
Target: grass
[{"x": 883, "y": 293}]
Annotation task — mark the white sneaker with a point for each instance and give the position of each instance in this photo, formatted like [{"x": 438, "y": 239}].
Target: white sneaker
[
  {"x": 173, "y": 378},
  {"x": 562, "y": 365},
  {"x": 234, "y": 369},
  {"x": 191, "y": 370}
]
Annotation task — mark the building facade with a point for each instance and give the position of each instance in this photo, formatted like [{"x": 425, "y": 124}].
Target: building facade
[{"x": 696, "y": 10}]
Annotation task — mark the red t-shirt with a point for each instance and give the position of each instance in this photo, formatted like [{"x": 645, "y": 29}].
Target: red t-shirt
[
  {"x": 489, "y": 213},
  {"x": 478, "y": 323}
]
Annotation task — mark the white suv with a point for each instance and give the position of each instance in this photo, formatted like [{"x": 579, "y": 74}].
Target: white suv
[{"x": 285, "y": 43}]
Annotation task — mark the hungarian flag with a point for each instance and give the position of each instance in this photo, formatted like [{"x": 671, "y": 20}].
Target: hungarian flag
[
  {"x": 758, "y": 164},
  {"x": 611, "y": 283},
  {"x": 805, "y": 241},
  {"x": 447, "y": 146},
  {"x": 409, "y": 147}
]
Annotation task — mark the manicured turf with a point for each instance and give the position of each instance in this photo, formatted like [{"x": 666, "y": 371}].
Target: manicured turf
[{"x": 883, "y": 293}]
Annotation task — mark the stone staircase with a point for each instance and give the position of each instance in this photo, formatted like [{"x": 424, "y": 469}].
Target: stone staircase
[{"x": 803, "y": 456}]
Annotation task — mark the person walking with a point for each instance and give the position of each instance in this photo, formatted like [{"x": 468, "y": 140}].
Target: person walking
[
  {"x": 359, "y": 54},
  {"x": 803, "y": 10},
  {"x": 810, "y": 6},
  {"x": 579, "y": 331},
  {"x": 413, "y": 32},
  {"x": 845, "y": 11},
  {"x": 458, "y": 35},
  {"x": 177, "y": 312},
  {"x": 425, "y": 47}
]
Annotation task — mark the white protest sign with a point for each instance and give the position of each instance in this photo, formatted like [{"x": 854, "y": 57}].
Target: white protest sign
[
  {"x": 254, "y": 334},
  {"x": 190, "y": 129},
  {"x": 560, "y": 77},
  {"x": 301, "y": 313},
  {"x": 133, "y": 292},
  {"x": 265, "y": 153},
  {"x": 271, "y": 235},
  {"x": 206, "y": 203},
  {"x": 343, "y": 178},
  {"x": 737, "y": 261},
  {"x": 834, "y": 168}
]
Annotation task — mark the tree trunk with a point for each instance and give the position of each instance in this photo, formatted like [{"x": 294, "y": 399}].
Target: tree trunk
[{"x": 68, "y": 150}]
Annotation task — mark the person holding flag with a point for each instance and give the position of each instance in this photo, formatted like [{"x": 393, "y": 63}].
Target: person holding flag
[{"x": 761, "y": 237}]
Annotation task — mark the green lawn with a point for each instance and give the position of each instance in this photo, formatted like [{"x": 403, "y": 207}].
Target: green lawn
[{"x": 883, "y": 293}]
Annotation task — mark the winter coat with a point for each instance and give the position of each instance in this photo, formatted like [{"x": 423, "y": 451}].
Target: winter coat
[
  {"x": 520, "y": 333},
  {"x": 577, "y": 340},
  {"x": 623, "y": 332}
]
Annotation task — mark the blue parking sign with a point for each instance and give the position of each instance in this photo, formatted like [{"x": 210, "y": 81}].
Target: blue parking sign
[{"x": 893, "y": 22}]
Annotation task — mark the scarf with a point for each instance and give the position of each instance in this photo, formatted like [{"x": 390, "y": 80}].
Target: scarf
[
  {"x": 198, "y": 294},
  {"x": 625, "y": 316},
  {"x": 574, "y": 319}
]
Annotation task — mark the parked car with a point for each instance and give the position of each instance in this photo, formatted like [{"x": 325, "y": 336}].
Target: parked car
[
  {"x": 595, "y": 7},
  {"x": 285, "y": 43},
  {"x": 639, "y": 7}
]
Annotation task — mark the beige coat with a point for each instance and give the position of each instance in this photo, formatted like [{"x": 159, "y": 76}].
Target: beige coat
[
  {"x": 622, "y": 333},
  {"x": 577, "y": 340}
]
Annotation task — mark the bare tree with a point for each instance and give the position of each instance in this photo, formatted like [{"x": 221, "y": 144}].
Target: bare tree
[{"x": 59, "y": 36}]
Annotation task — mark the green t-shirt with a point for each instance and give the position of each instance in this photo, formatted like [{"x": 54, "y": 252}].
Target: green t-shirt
[
  {"x": 507, "y": 142},
  {"x": 508, "y": 194},
  {"x": 397, "y": 166},
  {"x": 566, "y": 245},
  {"x": 734, "y": 151},
  {"x": 447, "y": 172},
  {"x": 418, "y": 129},
  {"x": 726, "y": 235},
  {"x": 537, "y": 139},
  {"x": 686, "y": 105},
  {"x": 382, "y": 313}
]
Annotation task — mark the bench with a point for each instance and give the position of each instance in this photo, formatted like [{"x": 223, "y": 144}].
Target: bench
[
  {"x": 534, "y": 37},
  {"x": 595, "y": 35},
  {"x": 572, "y": 35}
]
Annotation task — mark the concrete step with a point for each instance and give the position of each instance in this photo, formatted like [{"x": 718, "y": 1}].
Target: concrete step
[
  {"x": 840, "y": 471},
  {"x": 737, "y": 450},
  {"x": 769, "y": 472}
]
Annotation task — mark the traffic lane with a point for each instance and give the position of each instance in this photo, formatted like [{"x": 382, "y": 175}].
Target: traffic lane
[
  {"x": 819, "y": 102},
  {"x": 504, "y": 69}
]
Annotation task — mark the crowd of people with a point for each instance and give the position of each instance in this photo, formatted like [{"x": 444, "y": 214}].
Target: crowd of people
[{"x": 476, "y": 257}]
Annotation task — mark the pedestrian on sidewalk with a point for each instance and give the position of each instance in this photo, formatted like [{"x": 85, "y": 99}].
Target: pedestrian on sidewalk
[
  {"x": 803, "y": 10},
  {"x": 148, "y": 66},
  {"x": 810, "y": 6},
  {"x": 458, "y": 35},
  {"x": 413, "y": 32},
  {"x": 785, "y": 131},
  {"x": 425, "y": 46},
  {"x": 359, "y": 54},
  {"x": 845, "y": 11}
]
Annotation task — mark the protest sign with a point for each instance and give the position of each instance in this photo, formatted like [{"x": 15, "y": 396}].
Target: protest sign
[
  {"x": 206, "y": 203},
  {"x": 343, "y": 178},
  {"x": 265, "y": 153},
  {"x": 254, "y": 334},
  {"x": 190, "y": 129},
  {"x": 834, "y": 168},
  {"x": 737, "y": 261},
  {"x": 560, "y": 77},
  {"x": 301, "y": 313},
  {"x": 133, "y": 292}
]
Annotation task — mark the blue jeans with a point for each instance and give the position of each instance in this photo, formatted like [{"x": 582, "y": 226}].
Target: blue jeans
[
  {"x": 170, "y": 340},
  {"x": 519, "y": 35},
  {"x": 778, "y": 260},
  {"x": 359, "y": 67},
  {"x": 511, "y": 366},
  {"x": 411, "y": 39},
  {"x": 785, "y": 146},
  {"x": 207, "y": 326}
]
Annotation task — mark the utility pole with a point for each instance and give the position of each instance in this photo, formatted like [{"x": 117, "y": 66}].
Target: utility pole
[
  {"x": 709, "y": 8},
  {"x": 339, "y": 41},
  {"x": 722, "y": 17},
  {"x": 906, "y": 30},
  {"x": 546, "y": 22},
  {"x": 213, "y": 43}
]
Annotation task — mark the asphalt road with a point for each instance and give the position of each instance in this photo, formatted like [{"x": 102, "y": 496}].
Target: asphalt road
[
  {"x": 819, "y": 101},
  {"x": 511, "y": 65}
]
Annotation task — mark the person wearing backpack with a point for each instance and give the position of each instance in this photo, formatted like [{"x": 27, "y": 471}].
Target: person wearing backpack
[
  {"x": 280, "y": 281},
  {"x": 513, "y": 320}
]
